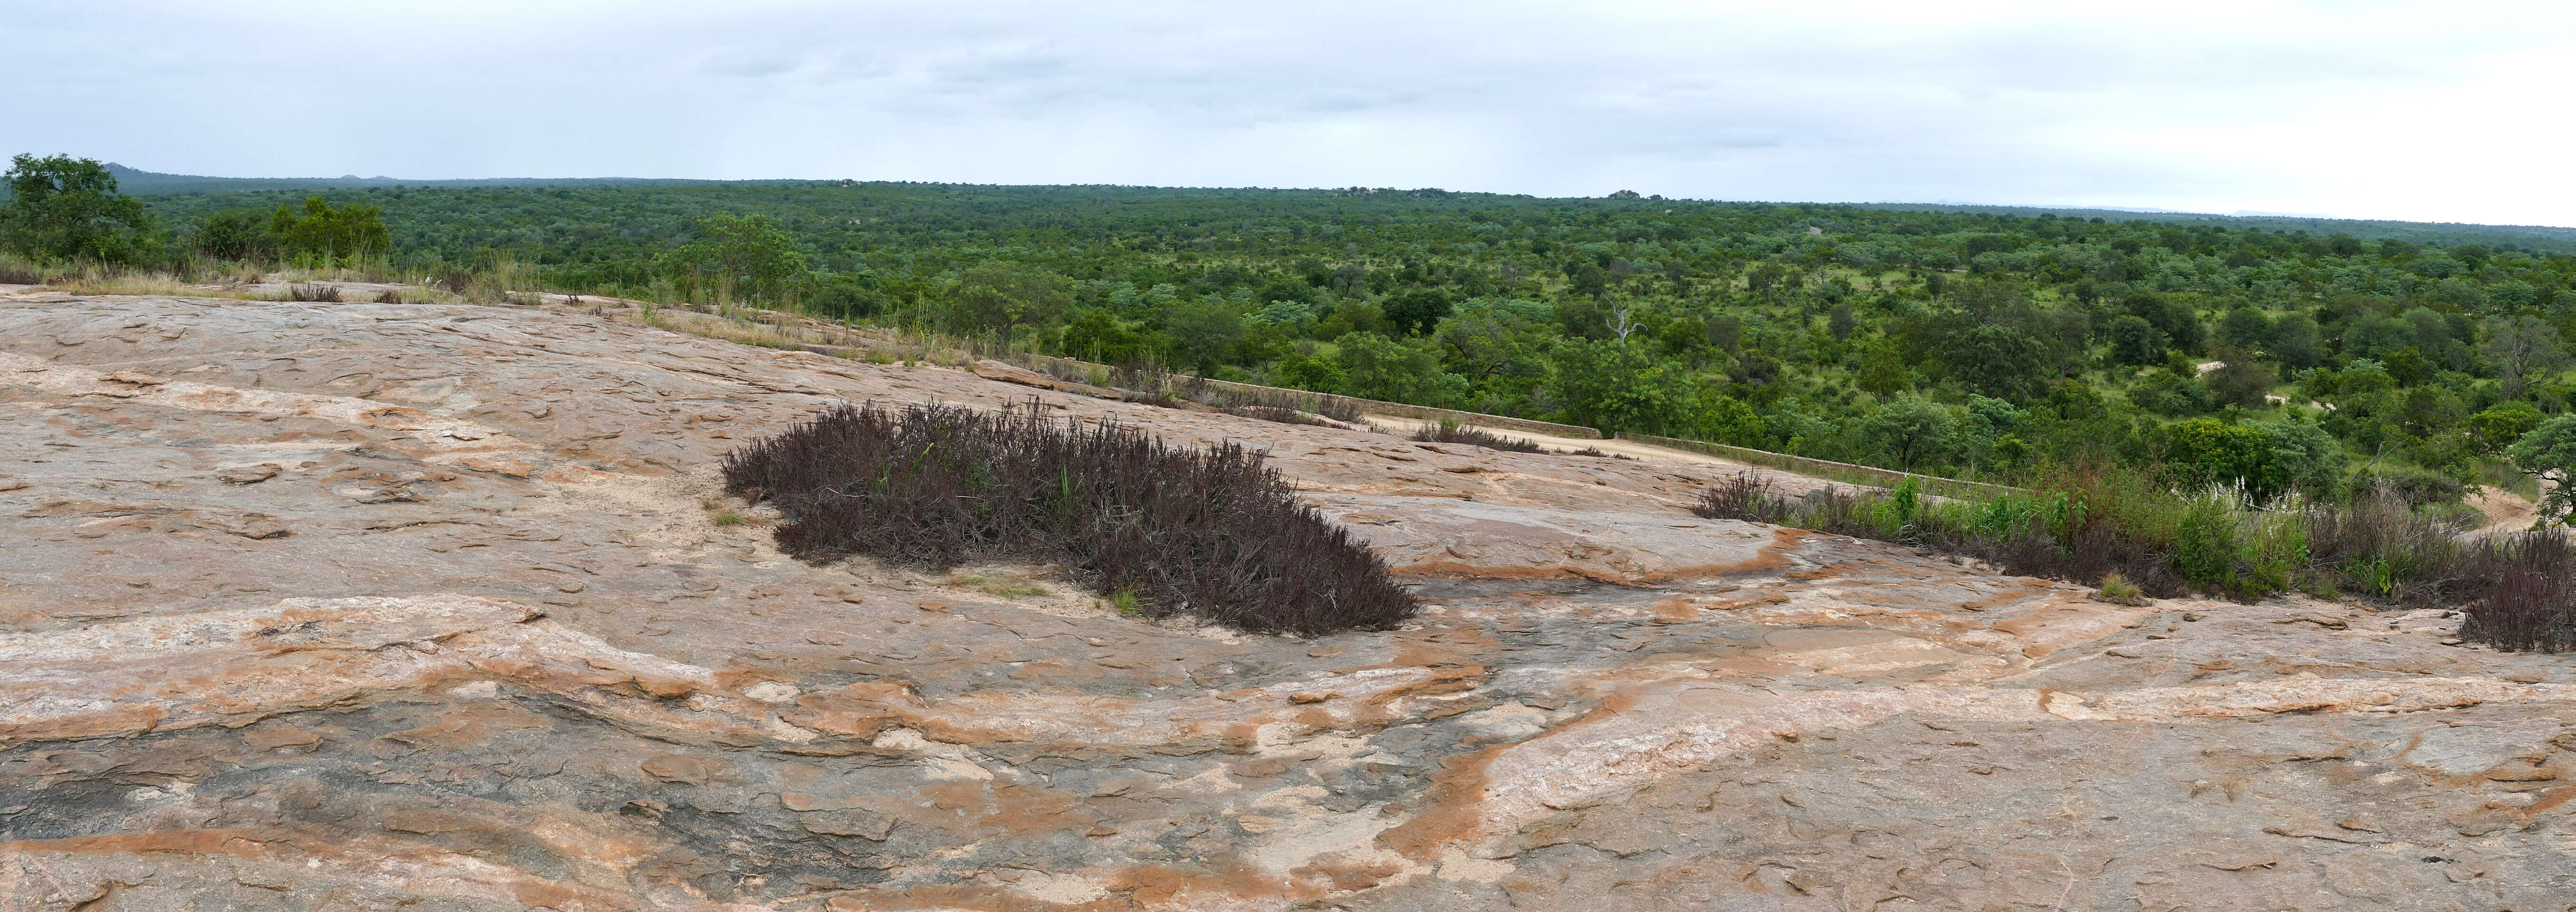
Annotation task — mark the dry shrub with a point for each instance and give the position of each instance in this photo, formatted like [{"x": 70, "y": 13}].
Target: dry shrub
[
  {"x": 1452, "y": 432},
  {"x": 314, "y": 292},
  {"x": 2527, "y": 599},
  {"x": 1211, "y": 533}
]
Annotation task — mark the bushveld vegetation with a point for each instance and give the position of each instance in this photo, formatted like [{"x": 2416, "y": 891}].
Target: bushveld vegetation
[
  {"x": 1968, "y": 342},
  {"x": 2130, "y": 537},
  {"x": 1157, "y": 530},
  {"x": 2344, "y": 362}
]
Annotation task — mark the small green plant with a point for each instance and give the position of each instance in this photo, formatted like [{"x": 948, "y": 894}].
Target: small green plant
[
  {"x": 729, "y": 518},
  {"x": 1125, "y": 602},
  {"x": 2117, "y": 590}
]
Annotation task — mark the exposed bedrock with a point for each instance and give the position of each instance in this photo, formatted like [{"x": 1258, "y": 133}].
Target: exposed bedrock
[{"x": 360, "y": 606}]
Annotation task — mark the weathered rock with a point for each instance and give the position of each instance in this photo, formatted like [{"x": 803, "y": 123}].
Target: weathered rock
[{"x": 375, "y": 605}]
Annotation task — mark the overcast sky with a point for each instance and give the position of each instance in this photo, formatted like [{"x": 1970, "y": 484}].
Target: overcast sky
[{"x": 2451, "y": 111}]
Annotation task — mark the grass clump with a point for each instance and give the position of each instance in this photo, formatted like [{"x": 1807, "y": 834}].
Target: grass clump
[
  {"x": 1453, "y": 432},
  {"x": 2141, "y": 540},
  {"x": 2117, "y": 589},
  {"x": 1162, "y": 531},
  {"x": 313, "y": 292}
]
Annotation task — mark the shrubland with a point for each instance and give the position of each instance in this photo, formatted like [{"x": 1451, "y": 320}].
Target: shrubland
[
  {"x": 2309, "y": 355},
  {"x": 1157, "y": 530}
]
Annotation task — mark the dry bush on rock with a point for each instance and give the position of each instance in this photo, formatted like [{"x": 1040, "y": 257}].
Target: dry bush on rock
[
  {"x": 1211, "y": 533},
  {"x": 323, "y": 293},
  {"x": 1450, "y": 432}
]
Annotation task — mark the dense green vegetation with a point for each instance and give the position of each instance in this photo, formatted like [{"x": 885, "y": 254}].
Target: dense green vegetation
[{"x": 1975, "y": 344}]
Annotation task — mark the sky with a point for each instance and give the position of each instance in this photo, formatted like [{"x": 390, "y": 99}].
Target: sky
[{"x": 2448, "y": 111}]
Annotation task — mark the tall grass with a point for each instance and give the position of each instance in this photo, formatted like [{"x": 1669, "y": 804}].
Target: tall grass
[
  {"x": 1211, "y": 533},
  {"x": 2519, "y": 589}
]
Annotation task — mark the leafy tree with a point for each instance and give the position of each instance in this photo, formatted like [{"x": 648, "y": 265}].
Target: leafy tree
[
  {"x": 749, "y": 256},
  {"x": 1416, "y": 312},
  {"x": 1097, "y": 336},
  {"x": 2548, "y": 452},
  {"x": 2205, "y": 450},
  {"x": 1911, "y": 431},
  {"x": 1842, "y": 323},
  {"x": 1204, "y": 333},
  {"x": 1683, "y": 336},
  {"x": 2245, "y": 327},
  {"x": 68, "y": 208},
  {"x": 2171, "y": 394},
  {"x": 1376, "y": 367},
  {"x": 2240, "y": 380},
  {"x": 2295, "y": 342},
  {"x": 1587, "y": 280},
  {"x": 1883, "y": 370},
  {"x": 1766, "y": 278},
  {"x": 2136, "y": 341},
  {"x": 352, "y": 230},
  {"x": 2520, "y": 347},
  {"x": 1310, "y": 373},
  {"x": 1999, "y": 361},
  {"x": 1001, "y": 295},
  {"x": 1614, "y": 386},
  {"x": 234, "y": 234},
  {"x": 2499, "y": 426}
]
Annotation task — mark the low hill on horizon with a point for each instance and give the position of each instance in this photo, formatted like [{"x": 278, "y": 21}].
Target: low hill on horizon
[{"x": 150, "y": 183}]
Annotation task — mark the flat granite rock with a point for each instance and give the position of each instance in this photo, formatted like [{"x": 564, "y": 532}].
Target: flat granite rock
[{"x": 360, "y": 606}]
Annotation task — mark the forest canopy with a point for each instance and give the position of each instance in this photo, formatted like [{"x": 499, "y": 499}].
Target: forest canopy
[{"x": 1973, "y": 343}]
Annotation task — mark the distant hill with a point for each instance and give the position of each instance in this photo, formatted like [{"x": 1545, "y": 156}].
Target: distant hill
[
  {"x": 2543, "y": 237},
  {"x": 2536, "y": 237},
  {"x": 148, "y": 183}
]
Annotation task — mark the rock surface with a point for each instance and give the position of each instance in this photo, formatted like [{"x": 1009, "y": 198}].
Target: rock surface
[{"x": 377, "y": 606}]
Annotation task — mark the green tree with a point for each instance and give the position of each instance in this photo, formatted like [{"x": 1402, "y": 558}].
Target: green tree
[
  {"x": 234, "y": 234},
  {"x": 1588, "y": 280},
  {"x": 1310, "y": 373},
  {"x": 1001, "y": 296},
  {"x": 2296, "y": 342},
  {"x": 2136, "y": 341},
  {"x": 2521, "y": 347},
  {"x": 1416, "y": 312},
  {"x": 2244, "y": 327},
  {"x": 1376, "y": 367},
  {"x": 1096, "y": 335},
  {"x": 68, "y": 208},
  {"x": 1204, "y": 333},
  {"x": 2548, "y": 453},
  {"x": 353, "y": 230},
  {"x": 1616, "y": 386},
  {"x": 1999, "y": 361},
  {"x": 1883, "y": 370},
  {"x": 1842, "y": 322},
  {"x": 2240, "y": 380},
  {"x": 2498, "y": 427},
  {"x": 1910, "y": 431}
]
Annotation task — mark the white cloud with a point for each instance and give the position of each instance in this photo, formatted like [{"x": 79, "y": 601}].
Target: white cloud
[{"x": 2407, "y": 110}]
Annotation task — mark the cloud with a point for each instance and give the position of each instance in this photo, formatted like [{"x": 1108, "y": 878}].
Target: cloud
[{"x": 2394, "y": 109}]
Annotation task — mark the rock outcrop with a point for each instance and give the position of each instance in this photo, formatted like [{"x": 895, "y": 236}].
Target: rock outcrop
[{"x": 361, "y": 606}]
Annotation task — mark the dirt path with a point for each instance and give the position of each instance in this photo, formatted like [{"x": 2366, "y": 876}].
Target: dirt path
[{"x": 2506, "y": 511}]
